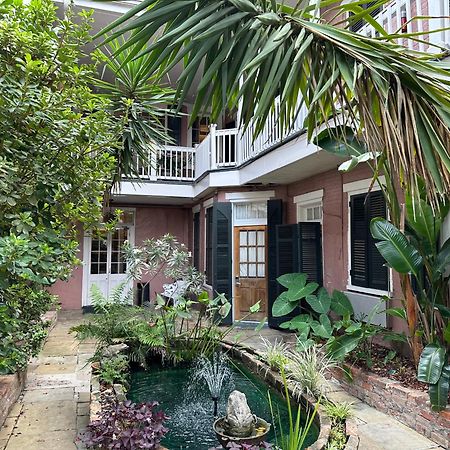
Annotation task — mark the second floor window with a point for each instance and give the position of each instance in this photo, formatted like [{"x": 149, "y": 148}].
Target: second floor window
[
  {"x": 200, "y": 130},
  {"x": 356, "y": 26}
]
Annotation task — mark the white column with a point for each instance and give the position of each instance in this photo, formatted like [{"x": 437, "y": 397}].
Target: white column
[{"x": 212, "y": 145}]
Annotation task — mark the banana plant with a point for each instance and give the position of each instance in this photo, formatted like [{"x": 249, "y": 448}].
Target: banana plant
[{"x": 417, "y": 254}]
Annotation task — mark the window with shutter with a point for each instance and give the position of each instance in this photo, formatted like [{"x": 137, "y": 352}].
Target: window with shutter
[
  {"x": 367, "y": 266},
  {"x": 196, "y": 244},
  {"x": 209, "y": 246},
  {"x": 310, "y": 250}
]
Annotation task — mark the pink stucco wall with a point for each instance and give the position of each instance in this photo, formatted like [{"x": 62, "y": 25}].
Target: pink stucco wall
[
  {"x": 150, "y": 221},
  {"x": 69, "y": 292}
]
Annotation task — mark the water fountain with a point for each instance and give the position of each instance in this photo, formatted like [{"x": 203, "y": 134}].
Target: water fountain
[
  {"x": 240, "y": 425},
  {"x": 216, "y": 373}
]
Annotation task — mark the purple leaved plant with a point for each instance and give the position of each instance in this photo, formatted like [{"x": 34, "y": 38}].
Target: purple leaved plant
[
  {"x": 235, "y": 446},
  {"x": 127, "y": 426}
]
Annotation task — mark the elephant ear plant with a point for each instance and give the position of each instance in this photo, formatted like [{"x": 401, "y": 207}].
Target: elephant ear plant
[
  {"x": 324, "y": 317},
  {"x": 417, "y": 253}
]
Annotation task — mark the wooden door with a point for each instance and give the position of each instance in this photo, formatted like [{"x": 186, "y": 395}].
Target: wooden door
[{"x": 250, "y": 255}]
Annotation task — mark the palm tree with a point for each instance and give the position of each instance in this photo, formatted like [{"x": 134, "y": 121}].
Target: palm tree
[
  {"x": 136, "y": 98},
  {"x": 381, "y": 102}
]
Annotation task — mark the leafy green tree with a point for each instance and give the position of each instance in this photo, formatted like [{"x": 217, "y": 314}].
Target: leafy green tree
[{"x": 57, "y": 158}]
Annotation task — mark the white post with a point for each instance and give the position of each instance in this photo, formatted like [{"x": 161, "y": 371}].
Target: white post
[
  {"x": 212, "y": 145},
  {"x": 436, "y": 8},
  {"x": 152, "y": 159}
]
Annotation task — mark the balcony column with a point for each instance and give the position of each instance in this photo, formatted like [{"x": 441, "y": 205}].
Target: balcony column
[
  {"x": 213, "y": 145},
  {"x": 152, "y": 161}
]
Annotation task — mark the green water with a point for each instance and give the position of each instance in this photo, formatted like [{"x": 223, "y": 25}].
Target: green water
[{"x": 188, "y": 404}]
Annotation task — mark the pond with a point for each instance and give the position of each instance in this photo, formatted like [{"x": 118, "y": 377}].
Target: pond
[{"x": 187, "y": 401}]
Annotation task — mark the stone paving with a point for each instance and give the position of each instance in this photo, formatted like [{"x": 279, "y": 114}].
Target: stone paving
[
  {"x": 375, "y": 430},
  {"x": 54, "y": 406}
]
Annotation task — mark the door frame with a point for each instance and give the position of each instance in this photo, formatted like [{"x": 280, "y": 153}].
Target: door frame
[
  {"x": 236, "y": 198},
  {"x": 85, "y": 300},
  {"x": 235, "y": 268}
]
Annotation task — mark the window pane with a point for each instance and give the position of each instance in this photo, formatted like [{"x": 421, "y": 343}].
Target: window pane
[
  {"x": 94, "y": 268},
  {"x": 243, "y": 237},
  {"x": 243, "y": 270},
  {"x": 252, "y": 270},
  {"x": 243, "y": 254},
  {"x": 261, "y": 254},
  {"x": 261, "y": 270},
  {"x": 252, "y": 254},
  {"x": 252, "y": 238},
  {"x": 114, "y": 268},
  {"x": 260, "y": 237},
  {"x": 102, "y": 268},
  {"x": 309, "y": 214}
]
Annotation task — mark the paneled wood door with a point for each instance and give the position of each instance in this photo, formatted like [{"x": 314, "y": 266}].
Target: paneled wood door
[{"x": 250, "y": 270}]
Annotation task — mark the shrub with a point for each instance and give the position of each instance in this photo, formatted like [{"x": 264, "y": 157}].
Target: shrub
[
  {"x": 275, "y": 354},
  {"x": 127, "y": 426},
  {"x": 308, "y": 367},
  {"x": 114, "y": 370}
]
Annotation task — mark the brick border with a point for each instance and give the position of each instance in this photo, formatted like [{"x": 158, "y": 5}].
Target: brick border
[
  {"x": 407, "y": 405},
  {"x": 11, "y": 386}
]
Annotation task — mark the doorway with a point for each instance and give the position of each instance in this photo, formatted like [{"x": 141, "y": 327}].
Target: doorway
[
  {"x": 250, "y": 283},
  {"x": 104, "y": 263}
]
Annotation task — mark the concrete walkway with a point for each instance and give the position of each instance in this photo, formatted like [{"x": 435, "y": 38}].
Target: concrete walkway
[
  {"x": 376, "y": 430},
  {"x": 54, "y": 406}
]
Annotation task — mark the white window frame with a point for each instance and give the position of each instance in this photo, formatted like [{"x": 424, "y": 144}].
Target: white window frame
[
  {"x": 309, "y": 200},
  {"x": 351, "y": 189}
]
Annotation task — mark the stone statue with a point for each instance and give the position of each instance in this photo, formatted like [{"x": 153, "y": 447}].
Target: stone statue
[{"x": 239, "y": 419}]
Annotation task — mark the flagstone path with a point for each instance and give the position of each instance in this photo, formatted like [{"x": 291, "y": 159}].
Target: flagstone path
[{"x": 54, "y": 406}]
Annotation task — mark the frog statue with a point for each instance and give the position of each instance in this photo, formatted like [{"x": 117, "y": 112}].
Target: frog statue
[{"x": 239, "y": 421}]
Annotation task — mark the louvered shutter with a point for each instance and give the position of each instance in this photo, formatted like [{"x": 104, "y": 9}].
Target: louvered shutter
[
  {"x": 196, "y": 243},
  {"x": 367, "y": 265},
  {"x": 222, "y": 253},
  {"x": 274, "y": 218},
  {"x": 378, "y": 272},
  {"x": 358, "y": 241},
  {"x": 310, "y": 250},
  {"x": 287, "y": 262}
]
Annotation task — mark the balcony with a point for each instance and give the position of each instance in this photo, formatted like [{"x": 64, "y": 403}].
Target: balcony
[{"x": 221, "y": 149}]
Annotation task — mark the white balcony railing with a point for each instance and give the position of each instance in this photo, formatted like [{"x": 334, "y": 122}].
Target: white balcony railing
[
  {"x": 396, "y": 16},
  {"x": 169, "y": 163}
]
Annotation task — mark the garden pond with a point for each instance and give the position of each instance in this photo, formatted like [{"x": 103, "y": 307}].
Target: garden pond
[{"x": 185, "y": 397}]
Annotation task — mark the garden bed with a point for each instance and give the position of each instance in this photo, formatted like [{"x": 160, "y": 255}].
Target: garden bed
[{"x": 409, "y": 406}]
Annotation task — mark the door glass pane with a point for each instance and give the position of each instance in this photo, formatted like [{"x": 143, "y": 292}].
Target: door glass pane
[
  {"x": 243, "y": 237},
  {"x": 252, "y": 238},
  {"x": 102, "y": 268},
  {"x": 243, "y": 270},
  {"x": 243, "y": 254},
  {"x": 261, "y": 254},
  {"x": 260, "y": 237},
  {"x": 252, "y": 254},
  {"x": 252, "y": 270},
  {"x": 261, "y": 270}
]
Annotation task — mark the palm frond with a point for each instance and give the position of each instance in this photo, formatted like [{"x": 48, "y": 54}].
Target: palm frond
[{"x": 251, "y": 52}]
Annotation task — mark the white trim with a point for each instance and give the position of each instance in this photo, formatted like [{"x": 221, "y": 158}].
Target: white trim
[
  {"x": 208, "y": 203},
  {"x": 362, "y": 186},
  {"x": 366, "y": 290},
  {"x": 241, "y": 197},
  {"x": 310, "y": 197},
  {"x": 196, "y": 209}
]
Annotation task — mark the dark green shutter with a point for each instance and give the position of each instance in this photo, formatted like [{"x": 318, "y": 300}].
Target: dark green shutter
[
  {"x": 274, "y": 218},
  {"x": 287, "y": 262},
  {"x": 378, "y": 271},
  {"x": 367, "y": 265},
  {"x": 222, "y": 253},
  {"x": 310, "y": 251},
  {"x": 196, "y": 243}
]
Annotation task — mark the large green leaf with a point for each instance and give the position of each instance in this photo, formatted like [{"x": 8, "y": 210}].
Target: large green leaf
[
  {"x": 282, "y": 306},
  {"x": 293, "y": 280},
  {"x": 340, "y": 304},
  {"x": 295, "y": 293},
  {"x": 322, "y": 328},
  {"x": 342, "y": 345},
  {"x": 297, "y": 322},
  {"x": 431, "y": 361},
  {"x": 439, "y": 391},
  {"x": 442, "y": 262},
  {"x": 320, "y": 303},
  {"x": 395, "y": 248}
]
